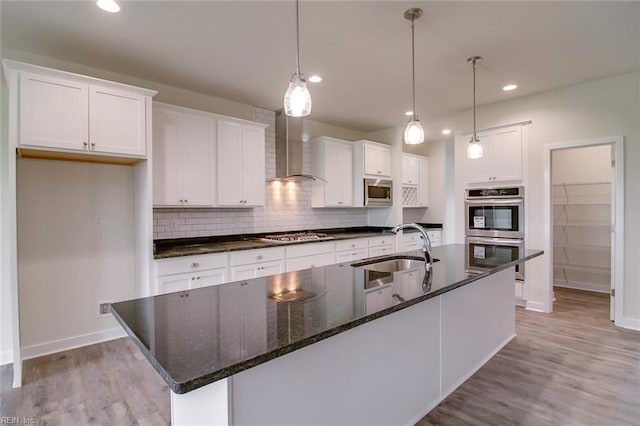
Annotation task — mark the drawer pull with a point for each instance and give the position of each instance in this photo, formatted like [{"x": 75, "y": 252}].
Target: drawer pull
[
  {"x": 259, "y": 257},
  {"x": 195, "y": 264}
]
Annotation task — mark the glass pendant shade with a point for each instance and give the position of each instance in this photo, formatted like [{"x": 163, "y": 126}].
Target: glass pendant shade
[
  {"x": 474, "y": 150},
  {"x": 413, "y": 133},
  {"x": 297, "y": 99}
]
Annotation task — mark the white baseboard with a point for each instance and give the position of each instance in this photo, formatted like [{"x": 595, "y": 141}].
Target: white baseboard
[
  {"x": 631, "y": 323},
  {"x": 576, "y": 285},
  {"x": 6, "y": 357},
  {"x": 71, "y": 342},
  {"x": 535, "y": 306}
]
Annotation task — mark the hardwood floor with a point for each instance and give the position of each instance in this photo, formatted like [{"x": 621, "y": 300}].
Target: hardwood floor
[{"x": 572, "y": 367}]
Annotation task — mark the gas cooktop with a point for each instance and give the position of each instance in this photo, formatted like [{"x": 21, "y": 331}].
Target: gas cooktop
[{"x": 297, "y": 236}]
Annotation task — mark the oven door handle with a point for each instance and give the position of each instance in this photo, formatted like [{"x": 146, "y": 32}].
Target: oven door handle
[
  {"x": 487, "y": 202},
  {"x": 496, "y": 241}
]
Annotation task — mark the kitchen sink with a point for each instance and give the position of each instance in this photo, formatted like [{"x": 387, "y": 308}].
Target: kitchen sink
[{"x": 393, "y": 264}]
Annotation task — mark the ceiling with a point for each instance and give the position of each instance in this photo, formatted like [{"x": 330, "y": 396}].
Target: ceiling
[{"x": 245, "y": 50}]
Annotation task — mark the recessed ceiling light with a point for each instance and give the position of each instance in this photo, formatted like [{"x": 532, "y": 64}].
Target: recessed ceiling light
[
  {"x": 510, "y": 87},
  {"x": 315, "y": 79},
  {"x": 408, "y": 113},
  {"x": 108, "y": 5},
  {"x": 446, "y": 132}
]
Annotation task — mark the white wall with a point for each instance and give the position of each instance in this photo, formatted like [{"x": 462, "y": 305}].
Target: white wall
[
  {"x": 67, "y": 264},
  {"x": 602, "y": 108}
]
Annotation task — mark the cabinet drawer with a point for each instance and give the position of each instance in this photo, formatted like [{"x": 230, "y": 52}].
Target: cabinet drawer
[
  {"x": 435, "y": 237},
  {"x": 300, "y": 250},
  {"x": 380, "y": 251},
  {"x": 190, "y": 264},
  {"x": 382, "y": 241},
  {"x": 311, "y": 261},
  {"x": 357, "y": 243},
  {"x": 351, "y": 255},
  {"x": 254, "y": 256}
]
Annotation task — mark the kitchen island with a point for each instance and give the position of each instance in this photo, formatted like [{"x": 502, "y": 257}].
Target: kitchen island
[{"x": 342, "y": 344}]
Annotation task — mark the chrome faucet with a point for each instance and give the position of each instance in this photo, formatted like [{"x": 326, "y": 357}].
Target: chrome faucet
[{"x": 426, "y": 242}]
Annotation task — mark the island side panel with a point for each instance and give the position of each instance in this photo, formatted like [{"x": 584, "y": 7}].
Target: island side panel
[
  {"x": 208, "y": 405},
  {"x": 477, "y": 321},
  {"x": 384, "y": 372}
]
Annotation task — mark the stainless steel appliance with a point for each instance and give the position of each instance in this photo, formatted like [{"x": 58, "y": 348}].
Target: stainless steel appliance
[
  {"x": 495, "y": 212},
  {"x": 297, "y": 236},
  {"x": 485, "y": 253},
  {"x": 378, "y": 193}
]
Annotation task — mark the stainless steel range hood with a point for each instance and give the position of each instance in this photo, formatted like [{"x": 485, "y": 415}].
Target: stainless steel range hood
[{"x": 289, "y": 153}]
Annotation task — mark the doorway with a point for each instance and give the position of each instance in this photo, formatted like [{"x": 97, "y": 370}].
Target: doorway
[{"x": 584, "y": 217}]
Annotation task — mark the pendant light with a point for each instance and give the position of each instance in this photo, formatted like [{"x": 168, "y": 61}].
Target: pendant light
[
  {"x": 474, "y": 150},
  {"x": 414, "y": 133},
  {"x": 297, "y": 99}
]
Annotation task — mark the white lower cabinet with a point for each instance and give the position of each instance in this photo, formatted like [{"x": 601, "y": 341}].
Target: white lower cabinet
[
  {"x": 378, "y": 299},
  {"x": 380, "y": 246},
  {"x": 350, "y": 250},
  {"x": 413, "y": 240},
  {"x": 185, "y": 273},
  {"x": 256, "y": 263},
  {"x": 311, "y": 255}
]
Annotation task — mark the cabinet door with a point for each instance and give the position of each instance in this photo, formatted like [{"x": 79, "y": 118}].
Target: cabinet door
[
  {"x": 479, "y": 170},
  {"x": 53, "y": 112},
  {"x": 116, "y": 121},
  {"x": 211, "y": 277},
  {"x": 377, "y": 160},
  {"x": 506, "y": 154},
  {"x": 339, "y": 174},
  {"x": 253, "y": 165},
  {"x": 423, "y": 186},
  {"x": 229, "y": 161},
  {"x": 410, "y": 170},
  {"x": 167, "y": 158},
  {"x": 270, "y": 268},
  {"x": 244, "y": 272},
  {"x": 198, "y": 176},
  {"x": 173, "y": 283}
]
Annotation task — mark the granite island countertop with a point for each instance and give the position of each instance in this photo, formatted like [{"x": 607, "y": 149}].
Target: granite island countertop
[
  {"x": 196, "y": 337},
  {"x": 168, "y": 248}
]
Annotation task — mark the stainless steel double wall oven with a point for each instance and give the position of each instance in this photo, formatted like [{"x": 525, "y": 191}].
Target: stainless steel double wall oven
[{"x": 494, "y": 227}]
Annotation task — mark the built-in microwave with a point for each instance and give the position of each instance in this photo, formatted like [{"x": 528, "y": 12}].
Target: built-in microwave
[
  {"x": 487, "y": 253},
  {"x": 378, "y": 193},
  {"x": 495, "y": 212}
]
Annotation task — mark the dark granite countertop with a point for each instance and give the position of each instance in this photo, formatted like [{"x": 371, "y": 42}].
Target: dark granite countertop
[
  {"x": 195, "y": 337},
  {"x": 225, "y": 243},
  {"x": 177, "y": 247}
]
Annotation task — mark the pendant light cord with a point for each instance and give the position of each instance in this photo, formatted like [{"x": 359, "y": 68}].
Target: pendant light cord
[
  {"x": 297, "y": 40},
  {"x": 475, "y": 137},
  {"x": 413, "y": 67}
]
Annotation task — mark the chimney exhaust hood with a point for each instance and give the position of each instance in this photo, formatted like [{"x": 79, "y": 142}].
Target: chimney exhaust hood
[{"x": 289, "y": 158}]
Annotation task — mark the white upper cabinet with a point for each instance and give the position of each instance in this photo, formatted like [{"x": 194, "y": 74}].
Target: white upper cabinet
[
  {"x": 410, "y": 170},
  {"x": 183, "y": 157},
  {"x": 116, "y": 121},
  {"x": 69, "y": 113},
  {"x": 415, "y": 181},
  {"x": 377, "y": 160},
  {"x": 331, "y": 160},
  {"x": 502, "y": 157},
  {"x": 54, "y": 112},
  {"x": 241, "y": 164}
]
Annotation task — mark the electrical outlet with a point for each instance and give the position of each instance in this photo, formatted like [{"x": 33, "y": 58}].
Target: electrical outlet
[
  {"x": 103, "y": 308},
  {"x": 98, "y": 221}
]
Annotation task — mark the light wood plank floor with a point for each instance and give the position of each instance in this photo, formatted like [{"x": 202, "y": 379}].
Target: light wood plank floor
[{"x": 572, "y": 367}]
